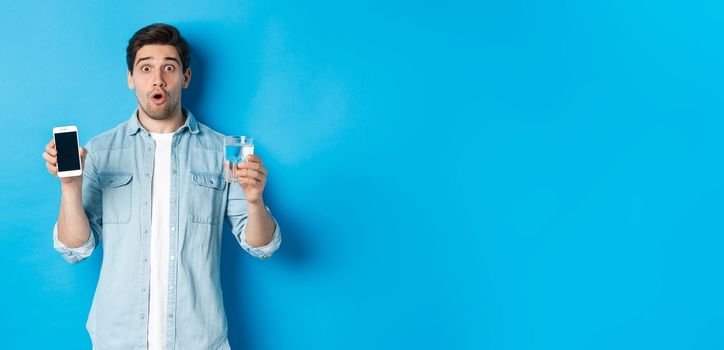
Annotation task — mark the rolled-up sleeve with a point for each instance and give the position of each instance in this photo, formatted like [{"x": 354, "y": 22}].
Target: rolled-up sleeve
[
  {"x": 263, "y": 252},
  {"x": 73, "y": 255},
  {"x": 236, "y": 213}
]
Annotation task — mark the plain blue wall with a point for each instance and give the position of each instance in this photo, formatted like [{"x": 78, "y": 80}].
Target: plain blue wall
[{"x": 490, "y": 175}]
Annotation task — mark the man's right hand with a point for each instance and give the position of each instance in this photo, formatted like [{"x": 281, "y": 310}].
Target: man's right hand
[{"x": 51, "y": 163}]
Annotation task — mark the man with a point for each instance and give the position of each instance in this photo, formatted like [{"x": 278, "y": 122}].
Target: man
[{"x": 152, "y": 190}]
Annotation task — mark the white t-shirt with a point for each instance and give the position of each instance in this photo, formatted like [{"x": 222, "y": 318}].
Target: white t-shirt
[{"x": 160, "y": 212}]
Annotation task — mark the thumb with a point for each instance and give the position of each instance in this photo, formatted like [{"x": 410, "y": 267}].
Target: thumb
[{"x": 82, "y": 153}]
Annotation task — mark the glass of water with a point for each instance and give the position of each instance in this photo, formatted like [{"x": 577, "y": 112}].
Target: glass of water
[{"x": 236, "y": 149}]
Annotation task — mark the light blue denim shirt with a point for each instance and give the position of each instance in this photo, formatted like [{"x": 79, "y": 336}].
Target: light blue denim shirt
[{"x": 117, "y": 178}]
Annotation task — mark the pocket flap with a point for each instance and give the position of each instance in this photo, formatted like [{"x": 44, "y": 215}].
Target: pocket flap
[
  {"x": 114, "y": 179},
  {"x": 208, "y": 179}
]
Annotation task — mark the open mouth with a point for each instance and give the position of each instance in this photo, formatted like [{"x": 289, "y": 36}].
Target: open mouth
[{"x": 158, "y": 98}]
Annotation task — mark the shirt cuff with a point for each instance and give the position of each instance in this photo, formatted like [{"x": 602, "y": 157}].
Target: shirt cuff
[
  {"x": 73, "y": 255},
  {"x": 263, "y": 252}
]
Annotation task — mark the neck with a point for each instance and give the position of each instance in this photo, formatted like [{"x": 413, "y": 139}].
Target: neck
[{"x": 164, "y": 126}]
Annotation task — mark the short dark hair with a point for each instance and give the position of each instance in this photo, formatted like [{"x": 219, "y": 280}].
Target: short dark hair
[{"x": 158, "y": 33}]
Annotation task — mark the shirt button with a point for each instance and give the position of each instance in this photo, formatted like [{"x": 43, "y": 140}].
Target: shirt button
[
  {"x": 170, "y": 315},
  {"x": 173, "y": 229},
  {"x": 171, "y": 287},
  {"x": 143, "y": 290},
  {"x": 174, "y": 172},
  {"x": 145, "y": 260},
  {"x": 172, "y": 257},
  {"x": 142, "y": 316}
]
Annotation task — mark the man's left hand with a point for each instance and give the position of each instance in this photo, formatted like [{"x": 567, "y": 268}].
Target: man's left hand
[{"x": 252, "y": 178}]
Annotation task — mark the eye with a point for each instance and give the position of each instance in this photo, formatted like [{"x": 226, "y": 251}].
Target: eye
[
  {"x": 169, "y": 68},
  {"x": 145, "y": 69}
]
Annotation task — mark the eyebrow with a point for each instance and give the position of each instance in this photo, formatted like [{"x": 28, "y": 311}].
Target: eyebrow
[{"x": 165, "y": 58}]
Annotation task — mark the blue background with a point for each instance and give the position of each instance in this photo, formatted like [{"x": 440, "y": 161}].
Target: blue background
[{"x": 489, "y": 175}]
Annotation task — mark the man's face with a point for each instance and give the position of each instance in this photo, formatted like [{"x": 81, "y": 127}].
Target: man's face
[{"x": 158, "y": 79}]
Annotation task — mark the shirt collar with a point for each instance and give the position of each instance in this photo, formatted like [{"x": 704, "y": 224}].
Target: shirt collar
[{"x": 135, "y": 126}]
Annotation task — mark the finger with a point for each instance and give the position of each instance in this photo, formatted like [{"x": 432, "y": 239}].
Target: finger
[
  {"x": 257, "y": 159},
  {"x": 248, "y": 181},
  {"x": 249, "y": 165},
  {"x": 249, "y": 176},
  {"x": 50, "y": 148},
  {"x": 48, "y": 158},
  {"x": 51, "y": 168},
  {"x": 82, "y": 153},
  {"x": 253, "y": 158},
  {"x": 254, "y": 174}
]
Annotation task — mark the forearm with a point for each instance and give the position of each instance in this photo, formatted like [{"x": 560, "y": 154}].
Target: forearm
[
  {"x": 73, "y": 228},
  {"x": 259, "y": 226}
]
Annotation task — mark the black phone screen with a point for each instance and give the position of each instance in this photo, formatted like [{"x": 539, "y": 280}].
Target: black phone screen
[{"x": 66, "y": 143}]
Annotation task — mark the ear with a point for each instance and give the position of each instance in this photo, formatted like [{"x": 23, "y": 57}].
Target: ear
[
  {"x": 187, "y": 78},
  {"x": 130, "y": 80}
]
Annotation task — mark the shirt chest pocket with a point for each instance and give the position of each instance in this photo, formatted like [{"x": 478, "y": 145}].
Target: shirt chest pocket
[
  {"x": 116, "y": 189},
  {"x": 205, "y": 195}
]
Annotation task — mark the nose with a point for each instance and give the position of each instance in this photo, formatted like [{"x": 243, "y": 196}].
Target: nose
[{"x": 158, "y": 80}]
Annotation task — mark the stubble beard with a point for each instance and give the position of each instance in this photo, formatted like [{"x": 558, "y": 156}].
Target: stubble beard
[{"x": 166, "y": 111}]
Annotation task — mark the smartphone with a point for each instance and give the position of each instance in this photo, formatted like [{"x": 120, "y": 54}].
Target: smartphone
[{"x": 66, "y": 143}]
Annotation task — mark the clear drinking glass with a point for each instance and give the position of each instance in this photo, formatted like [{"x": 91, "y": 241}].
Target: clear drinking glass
[{"x": 236, "y": 149}]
